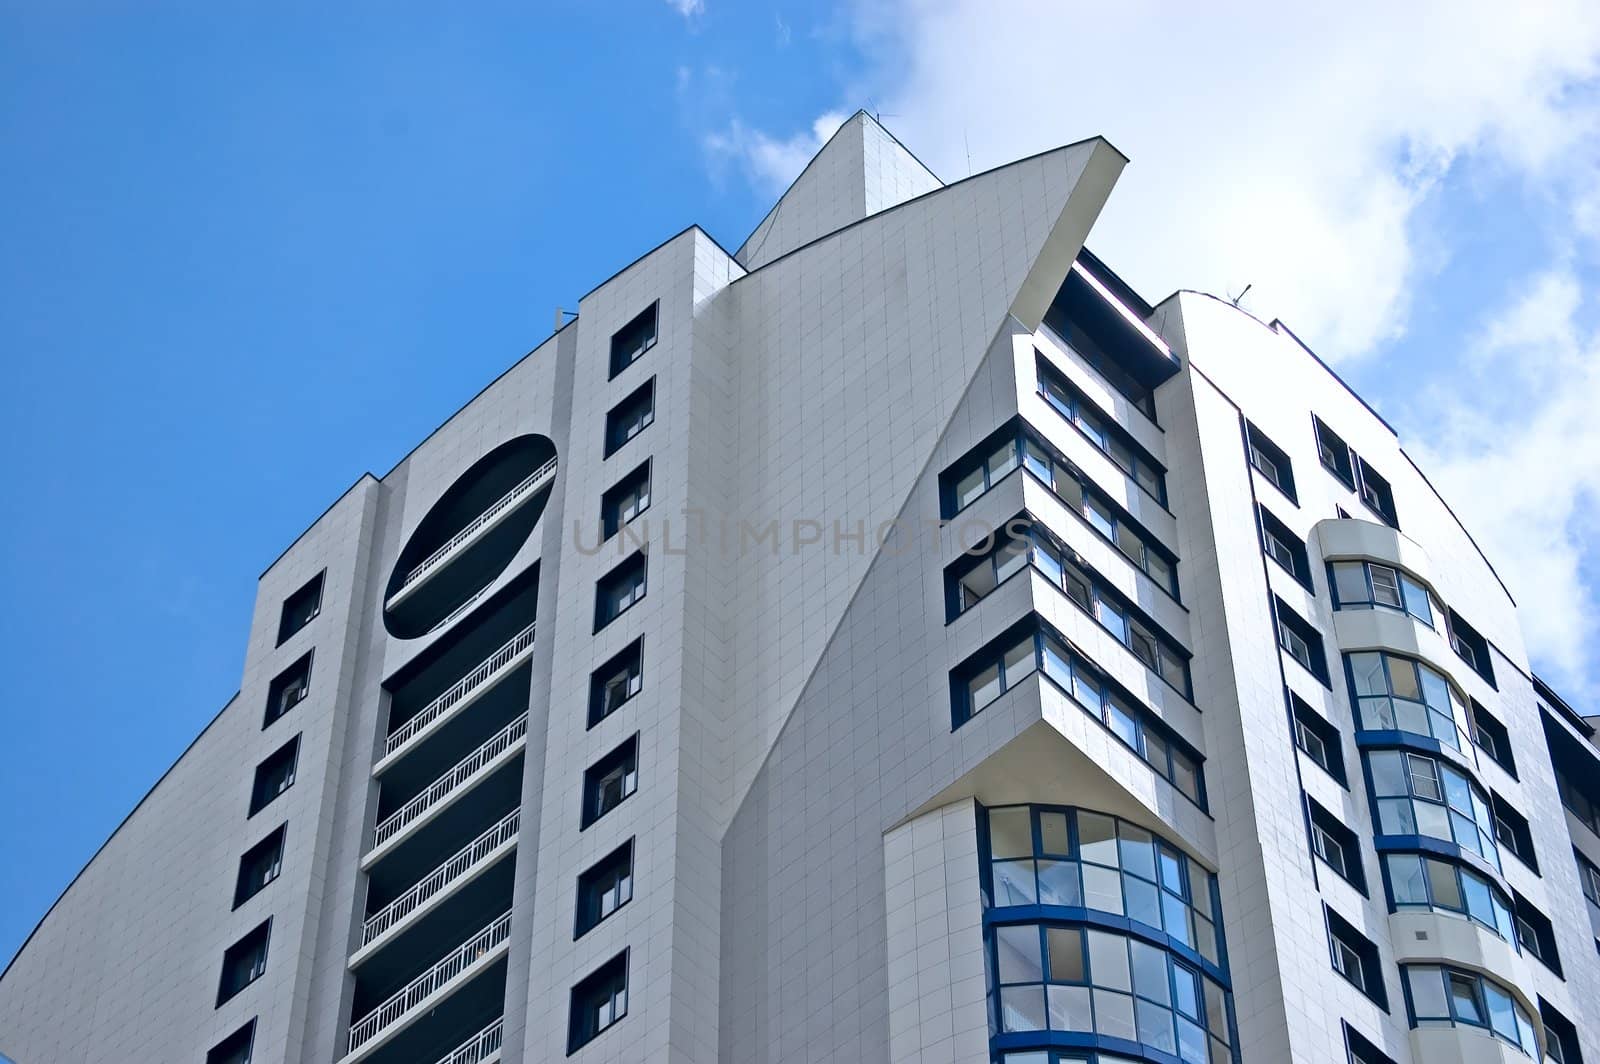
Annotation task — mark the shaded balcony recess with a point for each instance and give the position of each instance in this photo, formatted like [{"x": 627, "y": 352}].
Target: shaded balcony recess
[
  {"x": 457, "y": 697},
  {"x": 496, "y": 512},
  {"x": 425, "y": 992},
  {"x": 481, "y": 1048},
  {"x": 457, "y": 781},
  {"x": 473, "y": 857}
]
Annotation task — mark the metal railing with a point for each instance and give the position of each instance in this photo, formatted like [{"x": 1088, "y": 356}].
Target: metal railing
[
  {"x": 442, "y": 787},
  {"x": 459, "y": 690},
  {"x": 419, "y": 989},
  {"x": 480, "y": 1046},
  {"x": 494, "y": 510},
  {"x": 451, "y": 870}
]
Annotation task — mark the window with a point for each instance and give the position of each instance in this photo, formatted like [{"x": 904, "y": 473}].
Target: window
[
  {"x": 1535, "y": 934},
  {"x": 300, "y": 608},
  {"x": 1270, "y": 461},
  {"x": 274, "y": 775},
  {"x": 1334, "y": 453},
  {"x": 971, "y": 579},
  {"x": 988, "y": 464},
  {"x": 1578, "y": 802},
  {"x": 1300, "y": 640},
  {"x": 1588, "y": 878},
  {"x": 627, "y": 499},
  {"x": 1089, "y": 981},
  {"x": 1561, "y": 1036},
  {"x": 1359, "y": 585},
  {"x": 1363, "y": 1051},
  {"x": 258, "y": 867},
  {"x": 1393, "y": 693},
  {"x": 1471, "y": 647},
  {"x": 610, "y": 780},
  {"x": 1512, "y": 832},
  {"x": 1418, "y": 881},
  {"x": 236, "y": 1048},
  {"x": 1375, "y": 493},
  {"x": 1442, "y": 996},
  {"x": 634, "y": 339},
  {"x": 243, "y": 962},
  {"x": 1101, "y": 430},
  {"x": 1492, "y": 738},
  {"x": 605, "y": 888},
  {"x": 1102, "y": 362},
  {"x": 1318, "y": 739},
  {"x": 630, "y": 417},
  {"x": 599, "y": 1001},
  {"x": 1032, "y": 646},
  {"x": 1419, "y": 795},
  {"x": 1284, "y": 547},
  {"x": 1051, "y": 855},
  {"x": 1337, "y": 845},
  {"x": 288, "y": 689},
  {"x": 618, "y": 590},
  {"x": 616, "y": 681},
  {"x": 1356, "y": 958}
]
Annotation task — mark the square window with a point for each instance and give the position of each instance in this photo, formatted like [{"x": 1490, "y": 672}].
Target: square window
[
  {"x": 609, "y": 781},
  {"x": 300, "y": 608},
  {"x": 1355, "y": 958},
  {"x": 1376, "y": 495},
  {"x": 1334, "y": 453},
  {"x": 1301, "y": 641},
  {"x": 605, "y": 888},
  {"x": 599, "y": 1001},
  {"x": 1535, "y": 933},
  {"x": 624, "y": 501},
  {"x": 1337, "y": 845},
  {"x": 619, "y": 589},
  {"x": 1284, "y": 547},
  {"x": 630, "y": 417},
  {"x": 615, "y": 682},
  {"x": 634, "y": 339},
  {"x": 236, "y": 1048},
  {"x": 259, "y": 866},
  {"x": 1512, "y": 832},
  {"x": 1561, "y": 1036},
  {"x": 1318, "y": 739},
  {"x": 244, "y": 962},
  {"x": 288, "y": 689},
  {"x": 274, "y": 775},
  {"x": 1493, "y": 738},
  {"x": 1270, "y": 461}
]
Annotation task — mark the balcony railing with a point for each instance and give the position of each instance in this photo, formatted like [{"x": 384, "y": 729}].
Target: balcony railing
[
  {"x": 490, "y": 516},
  {"x": 452, "y": 781},
  {"x": 485, "y": 1045},
  {"x": 478, "y": 680},
  {"x": 415, "y": 993},
  {"x": 453, "y": 869}
]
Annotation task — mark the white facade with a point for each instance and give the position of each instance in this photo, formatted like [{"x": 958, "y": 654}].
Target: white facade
[{"x": 818, "y": 780}]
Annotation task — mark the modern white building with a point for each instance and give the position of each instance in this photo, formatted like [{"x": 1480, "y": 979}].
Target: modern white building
[{"x": 894, "y": 641}]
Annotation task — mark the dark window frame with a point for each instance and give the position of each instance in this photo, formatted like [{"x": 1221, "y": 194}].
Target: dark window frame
[
  {"x": 1498, "y": 749},
  {"x": 624, "y": 757},
  {"x": 1258, "y": 445},
  {"x": 238, "y": 1048},
  {"x": 1275, "y": 531},
  {"x": 1361, "y": 1050},
  {"x": 290, "y": 620},
  {"x": 1561, "y": 1035},
  {"x": 1347, "y": 841},
  {"x": 611, "y": 500},
  {"x": 245, "y": 885},
  {"x": 1334, "y": 454},
  {"x": 238, "y": 952},
  {"x": 1283, "y": 617},
  {"x": 281, "y": 685},
  {"x": 1076, "y": 408},
  {"x": 641, "y": 402},
  {"x": 609, "y": 582},
  {"x": 259, "y": 799},
  {"x": 1470, "y": 646},
  {"x": 613, "y": 974},
  {"x": 589, "y": 904},
  {"x": 1520, "y": 844},
  {"x": 1342, "y": 932},
  {"x": 621, "y": 359},
  {"x": 1375, "y": 492},
  {"x": 1326, "y": 734},
  {"x": 630, "y": 657},
  {"x": 1538, "y": 927}
]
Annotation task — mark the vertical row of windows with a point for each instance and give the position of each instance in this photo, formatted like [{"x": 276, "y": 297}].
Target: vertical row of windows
[{"x": 1355, "y": 473}]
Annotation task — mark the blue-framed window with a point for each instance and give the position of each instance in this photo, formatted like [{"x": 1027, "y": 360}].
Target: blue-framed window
[
  {"x": 1355, "y": 957},
  {"x": 1423, "y": 881},
  {"x": 1512, "y": 832},
  {"x": 1364, "y": 585},
  {"x": 1024, "y": 541},
  {"x": 1101, "y": 430},
  {"x": 1270, "y": 461},
  {"x": 1337, "y": 845},
  {"x": 1588, "y": 877},
  {"x": 1421, "y": 795},
  {"x": 1316, "y": 738},
  {"x": 1470, "y": 646},
  {"x": 1279, "y": 543},
  {"x": 1033, "y": 646},
  {"x": 1492, "y": 738},
  {"x": 1300, "y": 639},
  {"x": 1441, "y": 996},
  {"x": 1375, "y": 493},
  {"x": 1075, "y": 858},
  {"x": 1535, "y": 933},
  {"x": 1394, "y": 693}
]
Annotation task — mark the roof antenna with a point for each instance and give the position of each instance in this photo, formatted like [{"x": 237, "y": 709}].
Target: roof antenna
[
  {"x": 561, "y": 317},
  {"x": 1235, "y": 299},
  {"x": 968, "y": 142}
]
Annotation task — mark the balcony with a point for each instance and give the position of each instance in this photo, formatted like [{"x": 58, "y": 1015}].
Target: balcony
[
  {"x": 467, "y": 773},
  {"x": 459, "y": 696},
  {"x": 473, "y": 531},
  {"x": 428, "y": 990},
  {"x": 457, "y": 871},
  {"x": 481, "y": 1048}
]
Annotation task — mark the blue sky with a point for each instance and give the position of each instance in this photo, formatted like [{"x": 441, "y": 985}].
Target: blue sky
[{"x": 251, "y": 256}]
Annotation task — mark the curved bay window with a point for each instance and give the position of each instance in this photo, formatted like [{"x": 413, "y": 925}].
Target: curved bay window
[
  {"x": 1419, "y": 881},
  {"x": 1101, "y": 940},
  {"x": 1370, "y": 585},
  {"x": 1451, "y": 997},
  {"x": 1420, "y": 795},
  {"x": 1393, "y": 693}
]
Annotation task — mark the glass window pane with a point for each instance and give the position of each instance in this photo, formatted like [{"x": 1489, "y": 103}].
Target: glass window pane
[
  {"x": 1176, "y": 918},
  {"x": 977, "y": 583},
  {"x": 1464, "y": 998},
  {"x": 1097, "y": 838},
  {"x": 1406, "y": 879},
  {"x": 1388, "y": 773},
  {"x": 1185, "y": 775},
  {"x": 1046, "y": 557},
  {"x": 1122, "y": 722},
  {"x": 1110, "y": 615},
  {"x": 1129, "y": 543},
  {"x": 1435, "y": 691},
  {"x": 1053, "y": 834},
  {"x": 1443, "y": 887},
  {"x": 969, "y": 487},
  {"x": 1113, "y": 1015},
  {"x": 1434, "y": 821},
  {"x": 1150, "y": 972},
  {"x": 1069, "y": 1011},
  {"x": 1216, "y": 1009},
  {"x": 1010, "y": 832},
  {"x": 1159, "y": 569},
  {"x": 1036, "y": 461},
  {"x": 1013, "y": 883},
  {"x": 1003, "y": 460},
  {"x": 1478, "y": 899},
  {"x": 1427, "y": 992},
  {"x": 983, "y": 688},
  {"x": 1137, "y": 847},
  {"x": 1144, "y": 900},
  {"x": 1011, "y": 558},
  {"x": 1100, "y": 516},
  {"x": 1017, "y": 952},
  {"x": 1170, "y": 865},
  {"x": 1367, "y": 668},
  {"x": 1057, "y": 663},
  {"x": 1424, "y": 777},
  {"x": 1108, "y": 961},
  {"x": 1396, "y": 817},
  {"x": 1403, "y": 678},
  {"x": 1022, "y": 1008},
  {"x": 1385, "y": 585},
  {"x": 1102, "y": 889},
  {"x": 1155, "y": 1026},
  {"x": 1186, "y": 991},
  {"x": 1020, "y": 660},
  {"x": 1058, "y": 883},
  {"x": 1417, "y": 600},
  {"x": 1350, "y": 582},
  {"x": 1066, "y": 955}
]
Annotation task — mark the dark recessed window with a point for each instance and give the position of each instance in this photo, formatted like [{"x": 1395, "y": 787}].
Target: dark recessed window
[
  {"x": 1535, "y": 934},
  {"x": 616, "y": 681},
  {"x": 1318, "y": 739},
  {"x": 633, "y": 339},
  {"x": 1493, "y": 738},
  {"x": 631, "y": 416},
  {"x": 243, "y": 962},
  {"x": 1588, "y": 876},
  {"x": 1512, "y": 832},
  {"x": 605, "y": 888},
  {"x": 274, "y": 775},
  {"x": 1376, "y": 494},
  {"x": 1337, "y": 845},
  {"x": 979, "y": 470},
  {"x": 598, "y": 1002},
  {"x": 288, "y": 688},
  {"x": 258, "y": 867},
  {"x": 236, "y": 1048},
  {"x": 610, "y": 780},
  {"x": 1471, "y": 647},
  {"x": 1300, "y": 639},
  {"x": 1270, "y": 461},
  {"x": 1361, "y": 1050},
  {"x": 1578, "y": 801},
  {"x": 619, "y": 589},
  {"x": 300, "y": 608},
  {"x": 1561, "y": 1037},
  {"x": 1101, "y": 430},
  {"x": 1356, "y": 958},
  {"x": 626, "y": 499},
  {"x": 1284, "y": 547},
  {"x": 1335, "y": 454}
]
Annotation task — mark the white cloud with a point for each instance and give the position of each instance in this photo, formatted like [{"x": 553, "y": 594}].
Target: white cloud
[
  {"x": 771, "y": 162},
  {"x": 688, "y": 8}
]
